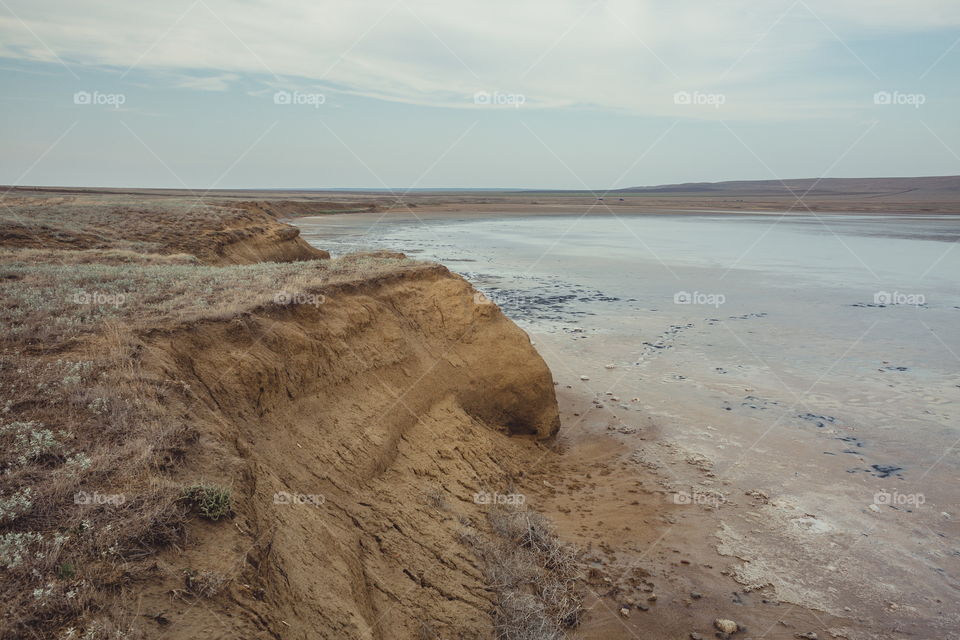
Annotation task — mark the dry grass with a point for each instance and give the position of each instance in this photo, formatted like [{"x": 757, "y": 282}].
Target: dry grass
[
  {"x": 85, "y": 500},
  {"x": 93, "y": 256},
  {"x": 114, "y": 222},
  {"x": 89, "y": 454},
  {"x": 533, "y": 574},
  {"x": 204, "y": 584},
  {"x": 213, "y": 232},
  {"x": 48, "y": 301}
]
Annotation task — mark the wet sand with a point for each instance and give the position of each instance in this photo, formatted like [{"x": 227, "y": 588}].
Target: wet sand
[{"x": 787, "y": 455}]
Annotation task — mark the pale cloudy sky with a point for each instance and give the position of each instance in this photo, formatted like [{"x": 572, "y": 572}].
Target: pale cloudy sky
[{"x": 495, "y": 93}]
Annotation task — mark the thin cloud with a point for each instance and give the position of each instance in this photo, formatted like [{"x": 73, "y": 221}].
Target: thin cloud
[{"x": 624, "y": 55}]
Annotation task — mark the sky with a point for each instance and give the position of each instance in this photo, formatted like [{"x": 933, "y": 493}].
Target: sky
[{"x": 403, "y": 94}]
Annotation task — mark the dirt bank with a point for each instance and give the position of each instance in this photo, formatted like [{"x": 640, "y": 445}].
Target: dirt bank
[
  {"x": 309, "y": 450},
  {"x": 393, "y": 402},
  {"x": 214, "y": 234}
]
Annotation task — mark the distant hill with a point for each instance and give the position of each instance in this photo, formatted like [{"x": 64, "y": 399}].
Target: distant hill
[{"x": 937, "y": 187}]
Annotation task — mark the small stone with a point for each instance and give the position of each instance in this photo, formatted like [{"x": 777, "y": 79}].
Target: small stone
[
  {"x": 624, "y": 612},
  {"x": 611, "y": 366},
  {"x": 874, "y": 508},
  {"x": 696, "y": 595},
  {"x": 696, "y": 636},
  {"x": 584, "y": 377},
  {"x": 652, "y": 598},
  {"x": 726, "y": 626},
  {"x": 810, "y": 635}
]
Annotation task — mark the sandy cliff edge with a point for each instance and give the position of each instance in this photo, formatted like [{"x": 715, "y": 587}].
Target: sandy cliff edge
[
  {"x": 356, "y": 422},
  {"x": 388, "y": 399}
]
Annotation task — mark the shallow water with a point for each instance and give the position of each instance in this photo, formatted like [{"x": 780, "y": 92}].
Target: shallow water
[
  {"x": 814, "y": 358},
  {"x": 814, "y": 270}
]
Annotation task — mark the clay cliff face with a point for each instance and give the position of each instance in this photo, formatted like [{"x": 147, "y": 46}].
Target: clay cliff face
[
  {"x": 257, "y": 241},
  {"x": 386, "y": 408},
  {"x": 300, "y": 449}
]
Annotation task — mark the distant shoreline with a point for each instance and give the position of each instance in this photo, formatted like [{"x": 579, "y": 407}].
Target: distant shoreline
[{"x": 934, "y": 201}]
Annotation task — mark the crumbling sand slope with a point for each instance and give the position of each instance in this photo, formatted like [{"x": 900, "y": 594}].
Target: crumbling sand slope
[
  {"x": 261, "y": 450},
  {"x": 394, "y": 401}
]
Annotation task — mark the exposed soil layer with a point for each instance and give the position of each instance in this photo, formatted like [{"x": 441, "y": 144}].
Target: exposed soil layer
[
  {"x": 315, "y": 462},
  {"x": 391, "y": 406}
]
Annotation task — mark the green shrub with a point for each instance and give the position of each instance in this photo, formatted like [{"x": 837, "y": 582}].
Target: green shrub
[
  {"x": 67, "y": 571},
  {"x": 210, "y": 501}
]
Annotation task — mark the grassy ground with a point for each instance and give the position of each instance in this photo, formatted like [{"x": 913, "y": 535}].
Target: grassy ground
[
  {"x": 210, "y": 231},
  {"x": 119, "y": 222},
  {"x": 77, "y": 412},
  {"x": 51, "y": 297}
]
